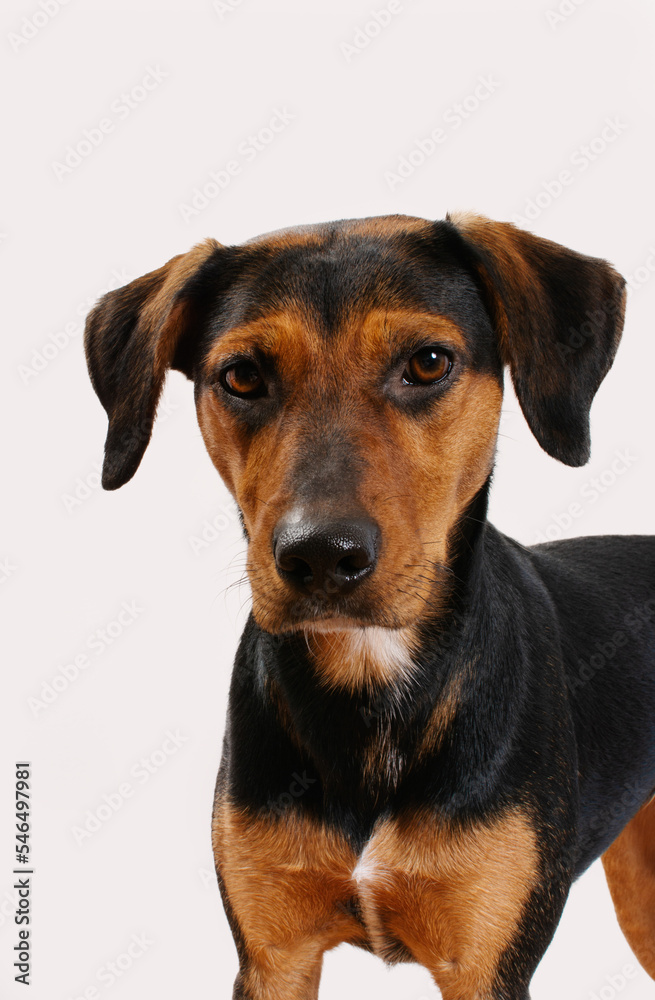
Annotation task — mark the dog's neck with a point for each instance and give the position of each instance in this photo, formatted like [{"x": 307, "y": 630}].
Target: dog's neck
[{"x": 348, "y": 725}]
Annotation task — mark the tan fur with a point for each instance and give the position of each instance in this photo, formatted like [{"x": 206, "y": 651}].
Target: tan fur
[
  {"x": 453, "y": 898},
  {"x": 630, "y": 869},
  {"x": 289, "y": 885},
  {"x": 161, "y": 316},
  {"x": 441, "y": 716}
]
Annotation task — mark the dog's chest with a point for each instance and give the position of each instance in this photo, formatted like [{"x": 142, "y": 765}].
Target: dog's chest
[{"x": 419, "y": 891}]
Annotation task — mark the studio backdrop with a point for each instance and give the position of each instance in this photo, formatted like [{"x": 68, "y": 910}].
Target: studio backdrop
[{"x": 133, "y": 131}]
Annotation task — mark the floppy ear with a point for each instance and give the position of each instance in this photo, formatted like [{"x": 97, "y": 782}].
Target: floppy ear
[
  {"x": 558, "y": 316},
  {"x": 132, "y": 336}
]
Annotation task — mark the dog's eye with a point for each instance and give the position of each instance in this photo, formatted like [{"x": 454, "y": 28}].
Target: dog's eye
[
  {"x": 427, "y": 366},
  {"x": 243, "y": 379}
]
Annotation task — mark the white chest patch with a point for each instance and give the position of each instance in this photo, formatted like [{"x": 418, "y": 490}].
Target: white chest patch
[
  {"x": 368, "y": 876},
  {"x": 365, "y": 869},
  {"x": 355, "y": 657}
]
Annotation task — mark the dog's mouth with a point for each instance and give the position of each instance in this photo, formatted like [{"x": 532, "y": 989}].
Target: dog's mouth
[
  {"x": 385, "y": 609},
  {"x": 332, "y": 623},
  {"x": 326, "y": 623}
]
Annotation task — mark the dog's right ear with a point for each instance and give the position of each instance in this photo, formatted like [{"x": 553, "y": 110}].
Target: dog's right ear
[{"x": 132, "y": 337}]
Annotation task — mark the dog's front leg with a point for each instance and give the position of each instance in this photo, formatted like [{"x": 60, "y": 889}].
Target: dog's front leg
[
  {"x": 275, "y": 974},
  {"x": 286, "y": 882}
]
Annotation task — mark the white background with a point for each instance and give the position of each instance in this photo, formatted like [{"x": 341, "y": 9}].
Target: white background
[{"x": 69, "y": 566}]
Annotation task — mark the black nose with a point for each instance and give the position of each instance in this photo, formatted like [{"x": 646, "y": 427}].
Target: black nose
[{"x": 331, "y": 557}]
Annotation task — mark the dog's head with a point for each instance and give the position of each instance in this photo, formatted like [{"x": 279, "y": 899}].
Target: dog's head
[{"x": 348, "y": 384}]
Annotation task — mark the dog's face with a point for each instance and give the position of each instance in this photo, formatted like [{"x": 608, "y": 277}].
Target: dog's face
[
  {"x": 348, "y": 384},
  {"x": 351, "y": 404}
]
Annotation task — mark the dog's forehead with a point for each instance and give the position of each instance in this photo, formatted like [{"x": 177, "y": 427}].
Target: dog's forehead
[
  {"x": 336, "y": 268},
  {"x": 379, "y": 226},
  {"x": 334, "y": 272}
]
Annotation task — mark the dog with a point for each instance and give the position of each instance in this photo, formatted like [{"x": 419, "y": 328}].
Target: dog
[{"x": 432, "y": 730}]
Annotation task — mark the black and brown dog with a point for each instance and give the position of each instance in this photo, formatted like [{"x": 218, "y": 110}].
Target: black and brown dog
[{"x": 432, "y": 730}]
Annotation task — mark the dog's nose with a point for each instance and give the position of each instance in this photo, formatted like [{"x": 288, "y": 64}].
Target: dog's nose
[{"x": 331, "y": 557}]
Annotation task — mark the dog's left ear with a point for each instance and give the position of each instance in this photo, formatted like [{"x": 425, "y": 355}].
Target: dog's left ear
[
  {"x": 558, "y": 316},
  {"x": 133, "y": 336}
]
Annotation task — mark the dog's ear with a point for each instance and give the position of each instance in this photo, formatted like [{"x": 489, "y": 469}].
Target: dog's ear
[
  {"x": 133, "y": 336},
  {"x": 558, "y": 317}
]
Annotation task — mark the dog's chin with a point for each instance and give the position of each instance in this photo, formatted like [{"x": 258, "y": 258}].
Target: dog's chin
[
  {"x": 353, "y": 653},
  {"x": 306, "y": 618},
  {"x": 336, "y": 623}
]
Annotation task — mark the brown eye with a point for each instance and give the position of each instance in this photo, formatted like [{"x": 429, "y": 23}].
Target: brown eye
[
  {"x": 427, "y": 366},
  {"x": 243, "y": 379}
]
